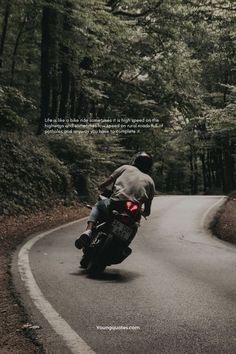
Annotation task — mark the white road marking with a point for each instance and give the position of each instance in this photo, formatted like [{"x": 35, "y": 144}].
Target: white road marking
[
  {"x": 73, "y": 341},
  {"x": 207, "y": 212}
]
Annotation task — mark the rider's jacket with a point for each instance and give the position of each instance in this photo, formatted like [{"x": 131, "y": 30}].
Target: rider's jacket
[{"x": 132, "y": 184}]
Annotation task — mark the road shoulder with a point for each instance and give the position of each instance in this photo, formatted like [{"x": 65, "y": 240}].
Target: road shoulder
[
  {"x": 224, "y": 223},
  {"x": 17, "y": 336}
]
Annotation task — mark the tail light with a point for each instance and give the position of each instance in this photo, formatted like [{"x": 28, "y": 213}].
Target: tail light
[{"x": 131, "y": 206}]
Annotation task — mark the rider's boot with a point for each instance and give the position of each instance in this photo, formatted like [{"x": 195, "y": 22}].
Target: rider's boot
[
  {"x": 84, "y": 262},
  {"x": 84, "y": 240}
]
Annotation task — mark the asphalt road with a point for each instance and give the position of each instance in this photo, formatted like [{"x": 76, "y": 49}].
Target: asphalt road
[{"x": 175, "y": 294}]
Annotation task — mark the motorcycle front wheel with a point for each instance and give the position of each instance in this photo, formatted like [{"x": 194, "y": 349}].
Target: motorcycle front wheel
[
  {"x": 95, "y": 269},
  {"x": 98, "y": 263}
]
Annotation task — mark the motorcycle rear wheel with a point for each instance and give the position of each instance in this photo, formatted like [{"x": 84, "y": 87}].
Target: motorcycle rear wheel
[
  {"x": 96, "y": 266},
  {"x": 95, "y": 269}
]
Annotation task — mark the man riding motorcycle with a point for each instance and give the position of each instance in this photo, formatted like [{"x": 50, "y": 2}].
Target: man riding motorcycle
[{"x": 130, "y": 182}]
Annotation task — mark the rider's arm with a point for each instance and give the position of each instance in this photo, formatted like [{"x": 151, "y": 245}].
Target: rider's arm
[
  {"x": 112, "y": 178},
  {"x": 147, "y": 208},
  {"x": 148, "y": 203},
  {"x": 106, "y": 183}
]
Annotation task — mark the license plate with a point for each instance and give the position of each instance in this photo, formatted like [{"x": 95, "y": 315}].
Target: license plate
[{"x": 120, "y": 230}]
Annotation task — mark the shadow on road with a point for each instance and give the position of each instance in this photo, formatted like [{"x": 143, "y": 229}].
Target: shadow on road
[{"x": 114, "y": 275}]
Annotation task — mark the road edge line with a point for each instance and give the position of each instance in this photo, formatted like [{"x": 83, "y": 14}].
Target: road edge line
[
  {"x": 205, "y": 225},
  {"x": 72, "y": 340}
]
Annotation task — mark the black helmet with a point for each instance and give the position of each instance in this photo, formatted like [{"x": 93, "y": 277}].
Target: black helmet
[{"x": 142, "y": 161}]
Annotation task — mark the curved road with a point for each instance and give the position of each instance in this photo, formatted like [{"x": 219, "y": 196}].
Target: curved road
[{"x": 175, "y": 294}]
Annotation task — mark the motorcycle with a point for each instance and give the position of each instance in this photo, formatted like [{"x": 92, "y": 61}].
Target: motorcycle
[{"x": 111, "y": 238}]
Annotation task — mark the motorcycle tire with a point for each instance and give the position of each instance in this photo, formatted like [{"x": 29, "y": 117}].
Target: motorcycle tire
[
  {"x": 95, "y": 269},
  {"x": 96, "y": 266}
]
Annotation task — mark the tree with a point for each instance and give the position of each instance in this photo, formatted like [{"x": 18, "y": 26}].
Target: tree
[
  {"x": 171, "y": 62},
  {"x": 4, "y": 30}
]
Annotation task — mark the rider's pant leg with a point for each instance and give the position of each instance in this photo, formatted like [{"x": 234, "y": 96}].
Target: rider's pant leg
[{"x": 100, "y": 211}]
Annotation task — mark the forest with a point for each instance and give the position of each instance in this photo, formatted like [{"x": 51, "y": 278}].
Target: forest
[{"x": 169, "y": 60}]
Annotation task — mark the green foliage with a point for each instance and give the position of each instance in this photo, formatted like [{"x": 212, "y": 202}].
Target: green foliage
[
  {"x": 69, "y": 149},
  {"x": 41, "y": 173},
  {"x": 87, "y": 160},
  {"x": 14, "y": 109},
  {"x": 169, "y": 60},
  {"x": 10, "y": 121},
  {"x": 31, "y": 178},
  {"x": 218, "y": 119}
]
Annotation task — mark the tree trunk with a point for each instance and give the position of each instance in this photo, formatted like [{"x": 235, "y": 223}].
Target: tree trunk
[
  {"x": 221, "y": 167},
  {"x": 65, "y": 66},
  {"x": 45, "y": 67},
  {"x": 72, "y": 97},
  {"x": 191, "y": 171},
  {"x": 228, "y": 168},
  {"x": 4, "y": 31},
  {"x": 94, "y": 110},
  {"x": 55, "y": 92},
  {"x": 54, "y": 60},
  {"x": 204, "y": 174},
  {"x": 13, "y": 65},
  {"x": 218, "y": 163},
  {"x": 65, "y": 86},
  {"x": 213, "y": 167},
  {"x": 209, "y": 179},
  {"x": 195, "y": 174},
  {"x": 79, "y": 105},
  {"x": 101, "y": 111}
]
